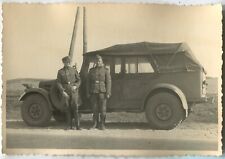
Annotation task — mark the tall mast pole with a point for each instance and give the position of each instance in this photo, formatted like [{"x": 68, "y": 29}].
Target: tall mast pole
[
  {"x": 72, "y": 43},
  {"x": 84, "y": 31}
]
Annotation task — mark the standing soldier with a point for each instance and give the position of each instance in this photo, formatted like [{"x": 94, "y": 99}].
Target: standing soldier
[
  {"x": 69, "y": 81},
  {"x": 98, "y": 90}
]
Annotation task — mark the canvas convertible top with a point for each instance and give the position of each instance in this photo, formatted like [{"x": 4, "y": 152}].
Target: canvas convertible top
[{"x": 165, "y": 55}]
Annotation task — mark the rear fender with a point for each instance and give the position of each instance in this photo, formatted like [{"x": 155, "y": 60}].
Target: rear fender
[
  {"x": 172, "y": 89},
  {"x": 40, "y": 91}
]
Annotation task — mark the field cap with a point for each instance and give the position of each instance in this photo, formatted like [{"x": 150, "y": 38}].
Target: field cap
[
  {"x": 98, "y": 57},
  {"x": 66, "y": 59}
]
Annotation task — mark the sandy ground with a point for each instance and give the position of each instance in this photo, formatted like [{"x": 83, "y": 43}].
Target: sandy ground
[
  {"x": 118, "y": 135},
  {"x": 124, "y": 131}
]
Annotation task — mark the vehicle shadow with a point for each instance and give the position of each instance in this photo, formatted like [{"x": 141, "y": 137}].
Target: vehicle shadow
[
  {"x": 130, "y": 125},
  {"x": 84, "y": 125}
]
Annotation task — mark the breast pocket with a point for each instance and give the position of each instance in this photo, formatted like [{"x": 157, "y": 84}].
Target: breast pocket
[
  {"x": 63, "y": 76},
  {"x": 72, "y": 77}
]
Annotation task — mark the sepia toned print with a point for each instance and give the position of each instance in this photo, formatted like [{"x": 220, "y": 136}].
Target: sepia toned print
[{"x": 106, "y": 79}]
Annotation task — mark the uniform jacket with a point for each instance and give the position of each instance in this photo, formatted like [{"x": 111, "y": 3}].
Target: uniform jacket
[
  {"x": 68, "y": 77},
  {"x": 99, "y": 81}
]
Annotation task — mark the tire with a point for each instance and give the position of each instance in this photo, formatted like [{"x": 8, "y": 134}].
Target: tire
[
  {"x": 164, "y": 111},
  {"x": 59, "y": 116},
  {"x": 35, "y": 110}
]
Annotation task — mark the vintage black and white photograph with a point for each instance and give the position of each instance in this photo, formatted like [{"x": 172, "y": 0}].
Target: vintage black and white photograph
[{"x": 112, "y": 79}]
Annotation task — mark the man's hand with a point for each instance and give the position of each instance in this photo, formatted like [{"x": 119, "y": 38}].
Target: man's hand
[
  {"x": 74, "y": 87},
  {"x": 65, "y": 94},
  {"x": 107, "y": 96}
]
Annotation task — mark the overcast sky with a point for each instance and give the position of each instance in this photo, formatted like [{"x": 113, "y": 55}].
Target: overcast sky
[{"x": 37, "y": 36}]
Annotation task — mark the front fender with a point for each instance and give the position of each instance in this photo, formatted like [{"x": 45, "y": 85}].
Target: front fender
[
  {"x": 40, "y": 91},
  {"x": 173, "y": 89}
]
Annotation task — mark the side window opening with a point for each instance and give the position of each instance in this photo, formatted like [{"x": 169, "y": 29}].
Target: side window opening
[
  {"x": 138, "y": 65},
  {"x": 131, "y": 65},
  {"x": 144, "y": 65},
  {"x": 118, "y": 65}
]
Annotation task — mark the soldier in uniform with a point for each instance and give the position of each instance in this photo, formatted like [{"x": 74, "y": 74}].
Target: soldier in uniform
[
  {"x": 99, "y": 90},
  {"x": 68, "y": 81}
]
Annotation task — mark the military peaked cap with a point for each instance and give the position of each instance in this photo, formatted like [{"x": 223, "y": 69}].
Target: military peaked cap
[
  {"x": 98, "y": 57},
  {"x": 66, "y": 59}
]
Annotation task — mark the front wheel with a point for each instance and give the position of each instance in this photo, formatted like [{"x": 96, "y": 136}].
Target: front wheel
[
  {"x": 35, "y": 110},
  {"x": 164, "y": 111}
]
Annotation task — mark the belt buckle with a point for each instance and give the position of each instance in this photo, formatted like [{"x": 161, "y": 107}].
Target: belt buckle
[
  {"x": 68, "y": 82},
  {"x": 96, "y": 81}
]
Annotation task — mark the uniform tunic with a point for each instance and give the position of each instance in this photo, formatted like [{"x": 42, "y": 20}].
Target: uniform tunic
[
  {"x": 99, "y": 81},
  {"x": 68, "y": 77},
  {"x": 98, "y": 86}
]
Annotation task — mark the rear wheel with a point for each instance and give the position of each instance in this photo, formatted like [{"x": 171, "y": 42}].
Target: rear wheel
[
  {"x": 59, "y": 116},
  {"x": 164, "y": 111},
  {"x": 35, "y": 110}
]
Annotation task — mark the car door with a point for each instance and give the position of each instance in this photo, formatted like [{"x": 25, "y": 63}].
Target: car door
[
  {"x": 137, "y": 80},
  {"x": 115, "y": 101}
]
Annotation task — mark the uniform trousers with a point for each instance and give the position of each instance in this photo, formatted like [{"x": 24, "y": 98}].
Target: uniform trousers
[
  {"x": 72, "y": 108},
  {"x": 98, "y": 101}
]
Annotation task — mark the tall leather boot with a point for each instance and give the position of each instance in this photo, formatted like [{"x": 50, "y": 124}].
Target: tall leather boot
[
  {"x": 77, "y": 120},
  {"x": 95, "y": 121},
  {"x": 102, "y": 122},
  {"x": 68, "y": 120}
]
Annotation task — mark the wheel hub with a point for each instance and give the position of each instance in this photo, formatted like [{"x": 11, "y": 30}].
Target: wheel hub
[
  {"x": 35, "y": 111},
  {"x": 163, "y": 112}
]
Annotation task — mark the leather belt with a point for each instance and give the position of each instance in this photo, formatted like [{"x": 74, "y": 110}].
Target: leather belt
[
  {"x": 68, "y": 83},
  {"x": 97, "y": 82}
]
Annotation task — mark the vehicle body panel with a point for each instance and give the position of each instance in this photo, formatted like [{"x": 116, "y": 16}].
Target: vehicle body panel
[
  {"x": 179, "y": 72},
  {"x": 129, "y": 91},
  {"x": 42, "y": 92},
  {"x": 177, "y": 67}
]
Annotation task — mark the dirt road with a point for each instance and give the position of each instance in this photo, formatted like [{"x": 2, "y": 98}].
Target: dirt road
[
  {"x": 117, "y": 136},
  {"x": 124, "y": 130}
]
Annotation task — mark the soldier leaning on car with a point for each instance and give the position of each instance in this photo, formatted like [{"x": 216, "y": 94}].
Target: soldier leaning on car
[
  {"x": 69, "y": 81},
  {"x": 99, "y": 90}
]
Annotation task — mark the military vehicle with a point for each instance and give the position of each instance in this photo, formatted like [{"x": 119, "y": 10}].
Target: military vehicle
[{"x": 164, "y": 80}]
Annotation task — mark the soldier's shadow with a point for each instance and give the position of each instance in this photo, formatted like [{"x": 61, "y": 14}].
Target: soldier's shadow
[
  {"x": 84, "y": 125},
  {"x": 119, "y": 125},
  {"x": 130, "y": 125}
]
